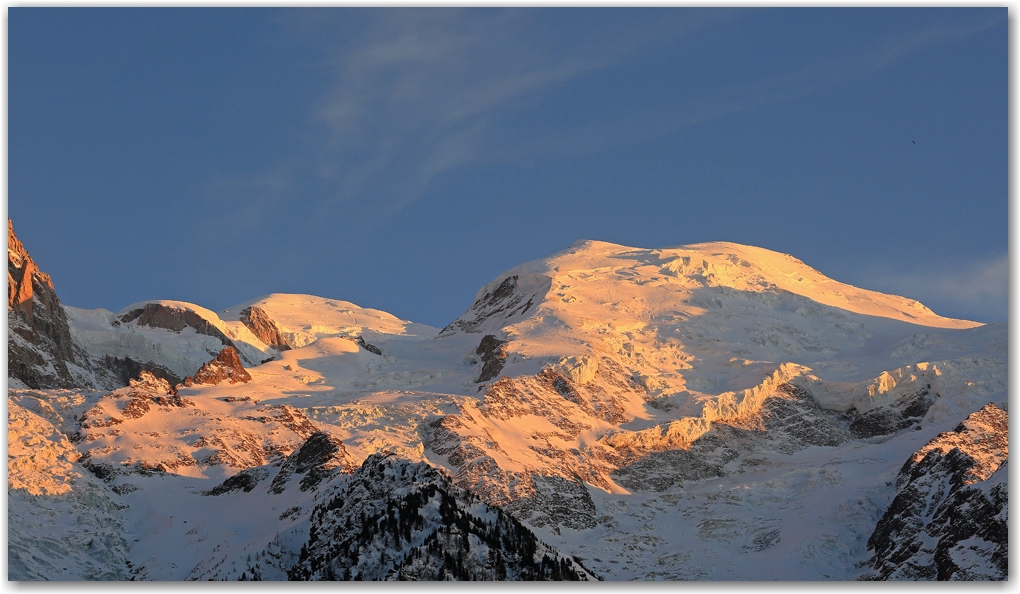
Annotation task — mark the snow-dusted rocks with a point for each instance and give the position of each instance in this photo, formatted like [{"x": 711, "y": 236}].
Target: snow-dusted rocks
[
  {"x": 317, "y": 459},
  {"x": 949, "y": 518},
  {"x": 148, "y": 428},
  {"x": 494, "y": 304}
]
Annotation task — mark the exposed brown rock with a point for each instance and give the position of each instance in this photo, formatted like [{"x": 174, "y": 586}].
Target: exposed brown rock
[
  {"x": 263, "y": 327},
  {"x": 226, "y": 366},
  {"x": 39, "y": 345},
  {"x": 20, "y": 268},
  {"x": 358, "y": 340}
]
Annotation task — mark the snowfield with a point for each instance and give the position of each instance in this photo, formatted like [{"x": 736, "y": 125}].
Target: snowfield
[{"x": 704, "y": 412}]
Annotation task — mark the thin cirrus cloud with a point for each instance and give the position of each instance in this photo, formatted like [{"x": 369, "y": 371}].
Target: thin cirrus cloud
[
  {"x": 417, "y": 93},
  {"x": 413, "y": 94},
  {"x": 964, "y": 288},
  {"x": 420, "y": 93}
]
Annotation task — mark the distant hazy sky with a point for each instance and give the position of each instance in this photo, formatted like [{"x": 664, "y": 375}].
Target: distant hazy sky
[{"x": 401, "y": 159}]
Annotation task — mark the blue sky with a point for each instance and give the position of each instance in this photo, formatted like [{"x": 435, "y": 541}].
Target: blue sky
[{"x": 401, "y": 159}]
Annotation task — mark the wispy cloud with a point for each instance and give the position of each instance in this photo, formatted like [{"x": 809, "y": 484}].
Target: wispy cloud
[
  {"x": 975, "y": 289},
  {"x": 419, "y": 93},
  {"x": 413, "y": 94}
]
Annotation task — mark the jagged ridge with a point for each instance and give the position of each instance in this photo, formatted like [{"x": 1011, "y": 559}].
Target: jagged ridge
[{"x": 949, "y": 520}]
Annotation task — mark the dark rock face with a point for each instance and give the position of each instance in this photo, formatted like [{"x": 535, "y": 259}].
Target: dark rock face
[
  {"x": 175, "y": 319},
  {"x": 39, "y": 345},
  {"x": 504, "y": 301},
  {"x": 949, "y": 519},
  {"x": 368, "y": 347},
  {"x": 246, "y": 481},
  {"x": 906, "y": 412},
  {"x": 226, "y": 366},
  {"x": 493, "y": 354},
  {"x": 396, "y": 520},
  {"x": 263, "y": 327},
  {"x": 320, "y": 457}
]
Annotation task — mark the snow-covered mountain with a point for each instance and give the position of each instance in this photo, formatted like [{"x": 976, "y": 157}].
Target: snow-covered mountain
[{"x": 710, "y": 411}]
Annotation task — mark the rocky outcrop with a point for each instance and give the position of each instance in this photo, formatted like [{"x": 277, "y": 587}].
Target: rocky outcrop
[
  {"x": 319, "y": 458},
  {"x": 905, "y": 412},
  {"x": 225, "y": 367},
  {"x": 39, "y": 346},
  {"x": 949, "y": 519},
  {"x": 470, "y": 442},
  {"x": 493, "y": 354},
  {"x": 505, "y": 301},
  {"x": 135, "y": 401},
  {"x": 368, "y": 347},
  {"x": 146, "y": 394},
  {"x": 263, "y": 327}
]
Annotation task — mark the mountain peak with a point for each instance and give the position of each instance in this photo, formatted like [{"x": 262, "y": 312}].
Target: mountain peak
[
  {"x": 39, "y": 345},
  {"x": 620, "y": 270}
]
